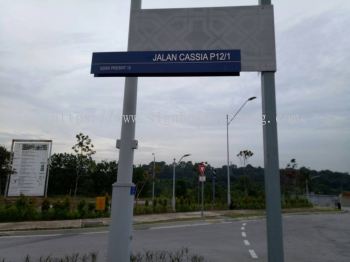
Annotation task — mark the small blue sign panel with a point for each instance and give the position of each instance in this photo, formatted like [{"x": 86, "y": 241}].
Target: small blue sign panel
[
  {"x": 167, "y": 63},
  {"x": 133, "y": 190}
]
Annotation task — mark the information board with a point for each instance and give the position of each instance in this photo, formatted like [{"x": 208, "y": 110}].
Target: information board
[{"x": 30, "y": 159}]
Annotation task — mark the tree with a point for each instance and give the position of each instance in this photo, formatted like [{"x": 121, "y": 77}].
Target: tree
[
  {"x": 5, "y": 167},
  {"x": 140, "y": 178},
  {"x": 104, "y": 175},
  {"x": 63, "y": 168},
  {"x": 83, "y": 150},
  {"x": 244, "y": 156},
  {"x": 290, "y": 178}
]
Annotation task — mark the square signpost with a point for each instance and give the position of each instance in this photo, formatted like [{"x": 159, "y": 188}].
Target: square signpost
[
  {"x": 204, "y": 56},
  {"x": 271, "y": 166},
  {"x": 120, "y": 231}
]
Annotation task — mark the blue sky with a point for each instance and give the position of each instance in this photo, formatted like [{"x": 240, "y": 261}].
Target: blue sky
[{"x": 47, "y": 92}]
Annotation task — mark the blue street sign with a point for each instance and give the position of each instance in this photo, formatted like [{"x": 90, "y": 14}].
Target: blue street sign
[
  {"x": 133, "y": 190},
  {"x": 167, "y": 63}
]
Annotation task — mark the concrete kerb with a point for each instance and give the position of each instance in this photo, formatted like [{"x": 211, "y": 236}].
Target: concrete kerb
[
  {"x": 81, "y": 223},
  {"x": 38, "y": 225}
]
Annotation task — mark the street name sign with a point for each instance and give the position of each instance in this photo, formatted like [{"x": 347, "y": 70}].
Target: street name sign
[{"x": 167, "y": 63}]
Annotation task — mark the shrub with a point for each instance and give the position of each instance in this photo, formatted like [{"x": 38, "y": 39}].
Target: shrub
[
  {"x": 45, "y": 205},
  {"x": 26, "y": 208},
  {"x": 107, "y": 208},
  {"x": 91, "y": 207},
  {"x": 82, "y": 208},
  {"x": 61, "y": 208}
]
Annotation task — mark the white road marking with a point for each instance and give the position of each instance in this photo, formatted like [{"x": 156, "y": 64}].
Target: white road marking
[
  {"x": 244, "y": 224},
  {"x": 242, "y": 228},
  {"x": 246, "y": 242},
  {"x": 253, "y": 254},
  {"x": 54, "y": 235},
  {"x": 31, "y": 236},
  {"x": 94, "y": 233},
  {"x": 179, "y": 226},
  {"x": 244, "y": 234}
]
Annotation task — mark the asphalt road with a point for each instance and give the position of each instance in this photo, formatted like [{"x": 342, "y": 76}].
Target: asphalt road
[{"x": 307, "y": 238}]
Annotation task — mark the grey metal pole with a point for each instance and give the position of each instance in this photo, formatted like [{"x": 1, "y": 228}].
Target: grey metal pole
[
  {"x": 154, "y": 174},
  {"x": 120, "y": 232},
  {"x": 173, "y": 198},
  {"x": 271, "y": 166},
  {"x": 228, "y": 167},
  {"x": 202, "y": 211}
]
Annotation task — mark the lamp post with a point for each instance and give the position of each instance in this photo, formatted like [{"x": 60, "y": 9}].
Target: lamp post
[
  {"x": 228, "y": 122},
  {"x": 154, "y": 174},
  {"x": 174, "y": 165}
]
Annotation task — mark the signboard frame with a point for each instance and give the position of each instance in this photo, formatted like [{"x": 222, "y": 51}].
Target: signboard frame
[
  {"x": 30, "y": 141},
  {"x": 259, "y": 57}
]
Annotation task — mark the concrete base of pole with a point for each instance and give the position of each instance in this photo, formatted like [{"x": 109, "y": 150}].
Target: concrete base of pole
[{"x": 120, "y": 228}]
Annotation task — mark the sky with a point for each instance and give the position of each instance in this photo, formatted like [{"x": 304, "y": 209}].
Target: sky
[{"x": 47, "y": 91}]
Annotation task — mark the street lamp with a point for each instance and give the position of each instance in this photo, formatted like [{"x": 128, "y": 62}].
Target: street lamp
[
  {"x": 228, "y": 122},
  {"x": 174, "y": 165},
  {"x": 154, "y": 174}
]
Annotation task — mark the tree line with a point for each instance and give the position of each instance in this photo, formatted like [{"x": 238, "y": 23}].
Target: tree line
[{"x": 79, "y": 174}]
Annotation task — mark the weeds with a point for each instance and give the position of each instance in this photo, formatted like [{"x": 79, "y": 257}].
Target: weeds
[
  {"x": 182, "y": 255},
  {"x": 92, "y": 257}
]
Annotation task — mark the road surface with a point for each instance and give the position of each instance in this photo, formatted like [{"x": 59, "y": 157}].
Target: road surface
[{"x": 307, "y": 238}]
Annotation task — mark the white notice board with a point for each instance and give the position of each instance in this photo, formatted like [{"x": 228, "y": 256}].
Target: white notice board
[{"x": 30, "y": 160}]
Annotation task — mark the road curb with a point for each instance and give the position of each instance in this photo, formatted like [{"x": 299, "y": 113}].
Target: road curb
[{"x": 138, "y": 220}]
